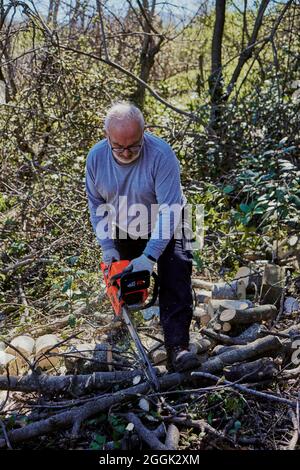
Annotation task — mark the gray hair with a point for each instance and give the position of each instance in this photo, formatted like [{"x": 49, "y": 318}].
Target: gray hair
[{"x": 123, "y": 111}]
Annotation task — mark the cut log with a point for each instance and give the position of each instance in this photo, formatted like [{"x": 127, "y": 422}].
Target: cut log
[
  {"x": 199, "y": 345},
  {"x": 261, "y": 369},
  {"x": 251, "y": 277},
  {"x": 202, "y": 315},
  {"x": 8, "y": 362},
  {"x": 229, "y": 290},
  {"x": 227, "y": 315},
  {"x": 214, "y": 305},
  {"x": 24, "y": 344},
  {"x": 255, "y": 349},
  {"x": 243, "y": 274},
  {"x": 22, "y": 347},
  {"x": 252, "y": 333},
  {"x": 272, "y": 284},
  {"x": 203, "y": 296},
  {"x": 159, "y": 356},
  {"x": 226, "y": 327},
  {"x": 250, "y": 315},
  {"x": 46, "y": 350},
  {"x": 172, "y": 438},
  {"x": 201, "y": 284}
]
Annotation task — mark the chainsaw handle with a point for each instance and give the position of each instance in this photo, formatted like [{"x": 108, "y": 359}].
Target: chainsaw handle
[
  {"x": 154, "y": 293},
  {"x": 114, "y": 278},
  {"x": 117, "y": 276}
]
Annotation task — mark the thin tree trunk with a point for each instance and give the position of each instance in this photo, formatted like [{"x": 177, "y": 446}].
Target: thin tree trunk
[
  {"x": 50, "y": 11},
  {"x": 148, "y": 52},
  {"x": 216, "y": 78},
  {"x": 55, "y": 12}
]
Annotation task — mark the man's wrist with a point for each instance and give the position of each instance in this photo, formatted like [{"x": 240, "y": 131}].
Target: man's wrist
[{"x": 150, "y": 257}]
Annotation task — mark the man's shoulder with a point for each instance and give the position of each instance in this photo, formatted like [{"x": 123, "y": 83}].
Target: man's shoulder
[
  {"x": 97, "y": 151},
  {"x": 156, "y": 143},
  {"x": 99, "y": 146}
]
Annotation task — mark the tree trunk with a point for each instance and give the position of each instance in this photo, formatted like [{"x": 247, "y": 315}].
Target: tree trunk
[
  {"x": 216, "y": 78},
  {"x": 148, "y": 52}
]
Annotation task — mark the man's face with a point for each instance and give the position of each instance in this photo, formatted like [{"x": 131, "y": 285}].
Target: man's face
[{"x": 126, "y": 141}]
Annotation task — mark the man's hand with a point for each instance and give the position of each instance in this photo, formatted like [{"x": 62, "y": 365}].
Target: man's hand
[
  {"x": 142, "y": 263},
  {"x": 110, "y": 255}
]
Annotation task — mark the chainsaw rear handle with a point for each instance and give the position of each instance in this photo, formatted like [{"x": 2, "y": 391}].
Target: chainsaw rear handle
[
  {"x": 154, "y": 293},
  {"x": 127, "y": 274}
]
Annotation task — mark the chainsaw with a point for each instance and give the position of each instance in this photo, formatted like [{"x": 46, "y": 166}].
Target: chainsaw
[{"x": 128, "y": 291}]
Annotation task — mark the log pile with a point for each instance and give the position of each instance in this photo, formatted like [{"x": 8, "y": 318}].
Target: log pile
[{"x": 244, "y": 350}]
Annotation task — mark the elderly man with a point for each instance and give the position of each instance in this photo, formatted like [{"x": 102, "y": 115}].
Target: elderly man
[{"x": 133, "y": 169}]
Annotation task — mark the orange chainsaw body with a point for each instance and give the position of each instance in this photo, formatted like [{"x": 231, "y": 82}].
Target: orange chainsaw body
[{"x": 113, "y": 287}]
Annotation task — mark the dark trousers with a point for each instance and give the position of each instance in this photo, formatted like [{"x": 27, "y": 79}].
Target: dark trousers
[{"x": 174, "y": 269}]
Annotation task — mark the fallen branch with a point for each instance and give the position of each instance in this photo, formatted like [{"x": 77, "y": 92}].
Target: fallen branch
[
  {"x": 255, "y": 371},
  {"x": 243, "y": 388},
  {"x": 199, "y": 424},
  {"x": 172, "y": 438},
  {"x": 145, "y": 434},
  {"x": 75, "y": 417},
  {"x": 242, "y": 353},
  {"x": 69, "y": 384}
]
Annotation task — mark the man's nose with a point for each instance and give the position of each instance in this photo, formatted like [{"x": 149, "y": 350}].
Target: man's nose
[{"x": 127, "y": 153}]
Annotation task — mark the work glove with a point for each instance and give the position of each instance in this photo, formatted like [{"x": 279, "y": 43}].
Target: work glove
[
  {"x": 110, "y": 255},
  {"x": 142, "y": 263}
]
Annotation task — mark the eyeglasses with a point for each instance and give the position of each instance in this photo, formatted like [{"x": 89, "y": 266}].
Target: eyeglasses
[{"x": 132, "y": 148}]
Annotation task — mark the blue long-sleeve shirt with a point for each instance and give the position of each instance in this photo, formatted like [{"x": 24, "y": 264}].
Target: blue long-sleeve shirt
[{"x": 153, "y": 180}]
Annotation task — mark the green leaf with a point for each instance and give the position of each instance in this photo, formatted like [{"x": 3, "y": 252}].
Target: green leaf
[
  {"x": 237, "y": 425},
  {"x": 245, "y": 208},
  {"x": 72, "y": 260},
  {"x": 98, "y": 442},
  {"x": 72, "y": 321},
  {"x": 67, "y": 285},
  {"x": 228, "y": 189}
]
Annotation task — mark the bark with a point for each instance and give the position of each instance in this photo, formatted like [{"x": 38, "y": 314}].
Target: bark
[
  {"x": 247, "y": 53},
  {"x": 75, "y": 417},
  {"x": 50, "y": 11},
  {"x": 242, "y": 353},
  {"x": 243, "y": 388},
  {"x": 149, "y": 437},
  {"x": 68, "y": 384},
  {"x": 251, "y": 333},
  {"x": 55, "y": 12},
  {"x": 216, "y": 78},
  {"x": 172, "y": 438},
  {"x": 250, "y": 315},
  {"x": 149, "y": 49},
  {"x": 255, "y": 371}
]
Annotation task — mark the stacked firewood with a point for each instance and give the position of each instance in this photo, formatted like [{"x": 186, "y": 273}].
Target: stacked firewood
[{"x": 244, "y": 331}]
